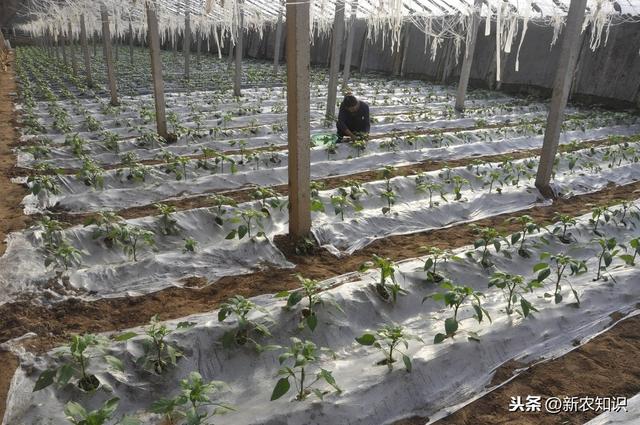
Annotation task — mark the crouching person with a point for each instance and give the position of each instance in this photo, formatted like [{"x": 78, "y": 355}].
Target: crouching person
[{"x": 353, "y": 119}]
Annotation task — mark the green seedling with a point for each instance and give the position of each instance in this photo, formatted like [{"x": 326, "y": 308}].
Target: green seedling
[
  {"x": 513, "y": 288},
  {"x": 527, "y": 227},
  {"x": 387, "y": 339},
  {"x": 247, "y": 329},
  {"x": 558, "y": 265},
  {"x": 387, "y": 287},
  {"x": 454, "y": 297},
  {"x": 311, "y": 291},
  {"x": 560, "y": 230},
  {"x": 167, "y": 224},
  {"x": 304, "y": 355}
]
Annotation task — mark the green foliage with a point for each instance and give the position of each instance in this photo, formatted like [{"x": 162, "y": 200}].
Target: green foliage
[
  {"x": 191, "y": 403},
  {"x": 387, "y": 287},
  {"x": 312, "y": 291},
  {"x": 78, "y": 415},
  {"x": 248, "y": 218},
  {"x": 167, "y": 224},
  {"x": 527, "y": 227},
  {"x": 560, "y": 230},
  {"x": 557, "y": 266},
  {"x": 247, "y": 329},
  {"x": 76, "y": 359},
  {"x": 513, "y": 288},
  {"x": 454, "y": 297},
  {"x": 387, "y": 339},
  {"x": 487, "y": 236},
  {"x": 303, "y": 354}
]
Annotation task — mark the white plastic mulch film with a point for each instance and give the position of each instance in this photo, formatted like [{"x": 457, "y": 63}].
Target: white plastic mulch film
[{"x": 217, "y": 20}]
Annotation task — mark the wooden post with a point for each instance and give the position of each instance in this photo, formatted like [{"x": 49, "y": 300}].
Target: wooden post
[
  {"x": 198, "y": 45},
  {"x": 467, "y": 61},
  {"x": 72, "y": 49},
  {"x": 561, "y": 86},
  {"x": 186, "y": 43},
  {"x": 397, "y": 56},
  {"x": 85, "y": 51},
  {"x": 108, "y": 55},
  {"x": 131, "y": 43},
  {"x": 336, "y": 51},
  {"x": 405, "y": 49},
  {"x": 298, "y": 118},
  {"x": 62, "y": 44},
  {"x": 175, "y": 45},
  {"x": 365, "y": 51},
  {"x": 156, "y": 70},
  {"x": 117, "y": 42},
  {"x": 239, "y": 39},
  {"x": 347, "y": 57},
  {"x": 277, "y": 48}
]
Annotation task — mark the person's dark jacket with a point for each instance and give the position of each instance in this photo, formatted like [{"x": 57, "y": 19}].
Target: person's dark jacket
[{"x": 357, "y": 122}]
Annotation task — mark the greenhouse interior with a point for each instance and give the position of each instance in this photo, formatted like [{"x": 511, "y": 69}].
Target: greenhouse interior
[{"x": 319, "y": 212}]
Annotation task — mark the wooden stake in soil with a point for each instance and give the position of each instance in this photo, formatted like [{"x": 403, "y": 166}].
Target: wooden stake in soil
[
  {"x": 298, "y": 118},
  {"x": 237, "y": 82},
  {"x": 336, "y": 51},
  {"x": 156, "y": 71},
  {"x": 276, "y": 47},
  {"x": 561, "y": 87},
  {"x": 349, "y": 53},
  {"x": 85, "y": 51},
  {"x": 72, "y": 49},
  {"x": 108, "y": 55},
  {"x": 467, "y": 61},
  {"x": 186, "y": 45}
]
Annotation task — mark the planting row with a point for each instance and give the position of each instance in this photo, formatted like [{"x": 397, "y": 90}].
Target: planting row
[{"x": 348, "y": 342}]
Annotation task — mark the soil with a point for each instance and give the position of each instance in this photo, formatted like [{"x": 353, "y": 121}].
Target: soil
[
  {"x": 608, "y": 365},
  {"x": 11, "y": 217},
  {"x": 9, "y": 364}
]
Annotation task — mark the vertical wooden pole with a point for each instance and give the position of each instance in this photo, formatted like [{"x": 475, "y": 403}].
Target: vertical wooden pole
[
  {"x": 336, "y": 51},
  {"x": 186, "y": 43},
  {"x": 131, "y": 43},
  {"x": 298, "y": 118},
  {"x": 108, "y": 55},
  {"x": 117, "y": 41},
  {"x": 175, "y": 45},
  {"x": 62, "y": 44},
  {"x": 198, "y": 45},
  {"x": 72, "y": 49},
  {"x": 85, "y": 50},
  {"x": 156, "y": 70},
  {"x": 239, "y": 47},
  {"x": 365, "y": 52},
  {"x": 467, "y": 61},
  {"x": 562, "y": 85},
  {"x": 347, "y": 57},
  {"x": 277, "y": 48},
  {"x": 405, "y": 49}
]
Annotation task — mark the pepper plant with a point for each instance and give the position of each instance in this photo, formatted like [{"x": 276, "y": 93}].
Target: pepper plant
[
  {"x": 191, "y": 403},
  {"x": 560, "y": 230},
  {"x": 630, "y": 259},
  {"x": 76, "y": 358},
  {"x": 304, "y": 355},
  {"x": 311, "y": 291},
  {"x": 596, "y": 214},
  {"x": 167, "y": 224},
  {"x": 388, "y": 194},
  {"x": 247, "y": 218},
  {"x": 487, "y": 236},
  {"x": 558, "y": 265},
  {"x": 158, "y": 354},
  {"x": 219, "y": 202},
  {"x": 240, "y": 308},
  {"x": 455, "y": 297},
  {"x": 527, "y": 227},
  {"x": 388, "y": 288},
  {"x": 608, "y": 251},
  {"x": 78, "y": 415},
  {"x": 387, "y": 339},
  {"x": 513, "y": 288},
  {"x": 436, "y": 255}
]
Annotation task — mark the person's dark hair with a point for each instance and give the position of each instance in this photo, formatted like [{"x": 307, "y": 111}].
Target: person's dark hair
[{"x": 349, "y": 101}]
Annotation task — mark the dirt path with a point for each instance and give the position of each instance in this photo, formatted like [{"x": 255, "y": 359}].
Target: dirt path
[
  {"x": 11, "y": 217},
  {"x": 608, "y": 365},
  {"x": 11, "y": 195}
]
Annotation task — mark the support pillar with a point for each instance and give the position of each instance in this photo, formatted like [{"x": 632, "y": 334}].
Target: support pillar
[
  {"x": 239, "y": 47},
  {"x": 336, "y": 50},
  {"x": 365, "y": 51},
  {"x": 467, "y": 61},
  {"x": 62, "y": 43},
  {"x": 277, "y": 48},
  {"x": 156, "y": 70},
  {"x": 108, "y": 56},
  {"x": 131, "y": 43},
  {"x": 561, "y": 86},
  {"x": 72, "y": 50},
  {"x": 349, "y": 53},
  {"x": 186, "y": 44},
  {"x": 85, "y": 51},
  {"x": 298, "y": 118}
]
